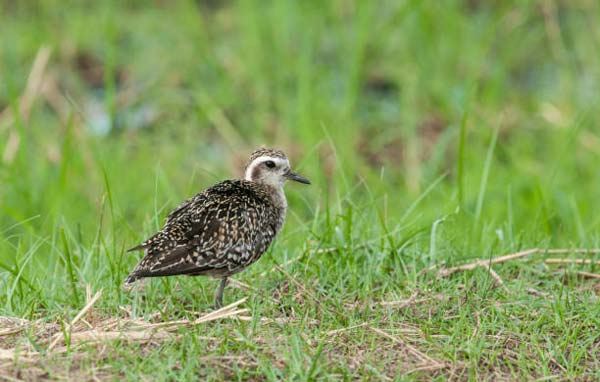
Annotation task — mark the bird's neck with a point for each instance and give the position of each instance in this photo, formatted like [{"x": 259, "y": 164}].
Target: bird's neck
[
  {"x": 279, "y": 201},
  {"x": 274, "y": 192},
  {"x": 278, "y": 196}
]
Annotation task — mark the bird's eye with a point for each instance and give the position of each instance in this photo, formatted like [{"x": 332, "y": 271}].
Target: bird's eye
[{"x": 270, "y": 164}]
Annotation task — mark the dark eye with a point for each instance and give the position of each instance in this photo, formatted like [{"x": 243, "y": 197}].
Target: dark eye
[{"x": 270, "y": 164}]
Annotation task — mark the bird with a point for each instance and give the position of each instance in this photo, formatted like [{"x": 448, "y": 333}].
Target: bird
[{"x": 225, "y": 228}]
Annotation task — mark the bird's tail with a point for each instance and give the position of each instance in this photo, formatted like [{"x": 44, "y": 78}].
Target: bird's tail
[{"x": 131, "y": 279}]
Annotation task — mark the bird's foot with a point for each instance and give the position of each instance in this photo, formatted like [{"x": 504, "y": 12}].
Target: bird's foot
[
  {"x": 219, "y": 295},
  {"x": 216, "y": 307}
]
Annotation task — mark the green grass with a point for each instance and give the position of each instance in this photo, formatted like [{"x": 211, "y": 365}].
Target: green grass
[{"x": 435, "y": 133}]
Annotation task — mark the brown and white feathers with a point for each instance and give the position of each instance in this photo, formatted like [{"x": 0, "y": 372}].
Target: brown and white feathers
[{"x": 225, "y": 228}]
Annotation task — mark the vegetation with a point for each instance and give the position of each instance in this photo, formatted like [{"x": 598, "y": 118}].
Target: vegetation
[{"x": 435, "y": 133}]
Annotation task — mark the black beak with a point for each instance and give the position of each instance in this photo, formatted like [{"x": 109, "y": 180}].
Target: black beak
[{"x": 295, "y": 177}]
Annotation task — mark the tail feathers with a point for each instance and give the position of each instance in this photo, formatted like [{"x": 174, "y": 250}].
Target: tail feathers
[
  {"x": 131, "y": 279},
  {"x": 138, "y": 248}
]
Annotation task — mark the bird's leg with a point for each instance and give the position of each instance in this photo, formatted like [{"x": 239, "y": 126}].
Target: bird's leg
[{"x": 219, "y": 293}]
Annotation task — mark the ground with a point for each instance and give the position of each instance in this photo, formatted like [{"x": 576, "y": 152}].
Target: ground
[{"x": 450, "y": 232}]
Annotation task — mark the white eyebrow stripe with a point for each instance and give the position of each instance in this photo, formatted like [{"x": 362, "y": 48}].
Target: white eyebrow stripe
[{"x": 262, "y": 159}]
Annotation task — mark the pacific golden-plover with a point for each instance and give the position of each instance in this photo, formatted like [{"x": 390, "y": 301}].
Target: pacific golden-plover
[{"x": 223, "y": 229}]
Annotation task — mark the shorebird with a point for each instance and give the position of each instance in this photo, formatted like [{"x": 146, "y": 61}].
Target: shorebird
[{"x": 223, "y": 229}]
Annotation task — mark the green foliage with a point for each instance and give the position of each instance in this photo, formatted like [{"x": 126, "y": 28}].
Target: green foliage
[{"x": 434, "y": 132}]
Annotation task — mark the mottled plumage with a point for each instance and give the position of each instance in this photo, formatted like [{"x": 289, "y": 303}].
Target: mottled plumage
[{"x": 223, "y": 229}]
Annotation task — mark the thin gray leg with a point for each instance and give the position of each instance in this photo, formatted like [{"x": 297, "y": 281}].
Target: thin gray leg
[{"x": 219, "y": 294}]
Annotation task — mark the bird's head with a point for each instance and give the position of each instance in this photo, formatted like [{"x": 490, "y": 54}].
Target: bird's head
[{"x": 272, "y": 167}]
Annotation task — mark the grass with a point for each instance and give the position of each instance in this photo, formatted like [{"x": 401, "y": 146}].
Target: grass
[{"x": 435, "y": 134}]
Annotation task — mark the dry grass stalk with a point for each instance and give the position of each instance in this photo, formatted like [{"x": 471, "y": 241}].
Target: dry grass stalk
[
  {"x": 99, "y": 336},
  {"x": 278, "y": 320},
  {"x": 32, "y": 89},
  {"x": 538, "y": 293},
  {"x": 336, "y": 331},
  {"x": 589, "y": 275},
  {"x": 136, "y": 329},
  {"x": 416, "y": 352},
  {"x": 571, "y": 261},
  {"x": 402, "y": 303},
  {"x": 79, "y": 315},
  {"x": 497, "y": 279},
  {"x": 297, "y": 283},
  {"x": 9, "y": 354},
  {"x": 426, "y": 368},
  {"x": 9, "y": 331},
  {"x": 445, "y": 272},
  {"x": 12, "y": 325},
  {"x": 224, "y": 312},
  {"x": 238, "y": 284}
]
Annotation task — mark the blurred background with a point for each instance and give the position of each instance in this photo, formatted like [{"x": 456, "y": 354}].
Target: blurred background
[{"x": 403, "y": 113}]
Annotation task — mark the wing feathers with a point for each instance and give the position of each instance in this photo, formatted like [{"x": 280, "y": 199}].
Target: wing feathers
[{"x": 214, "y": 232}]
